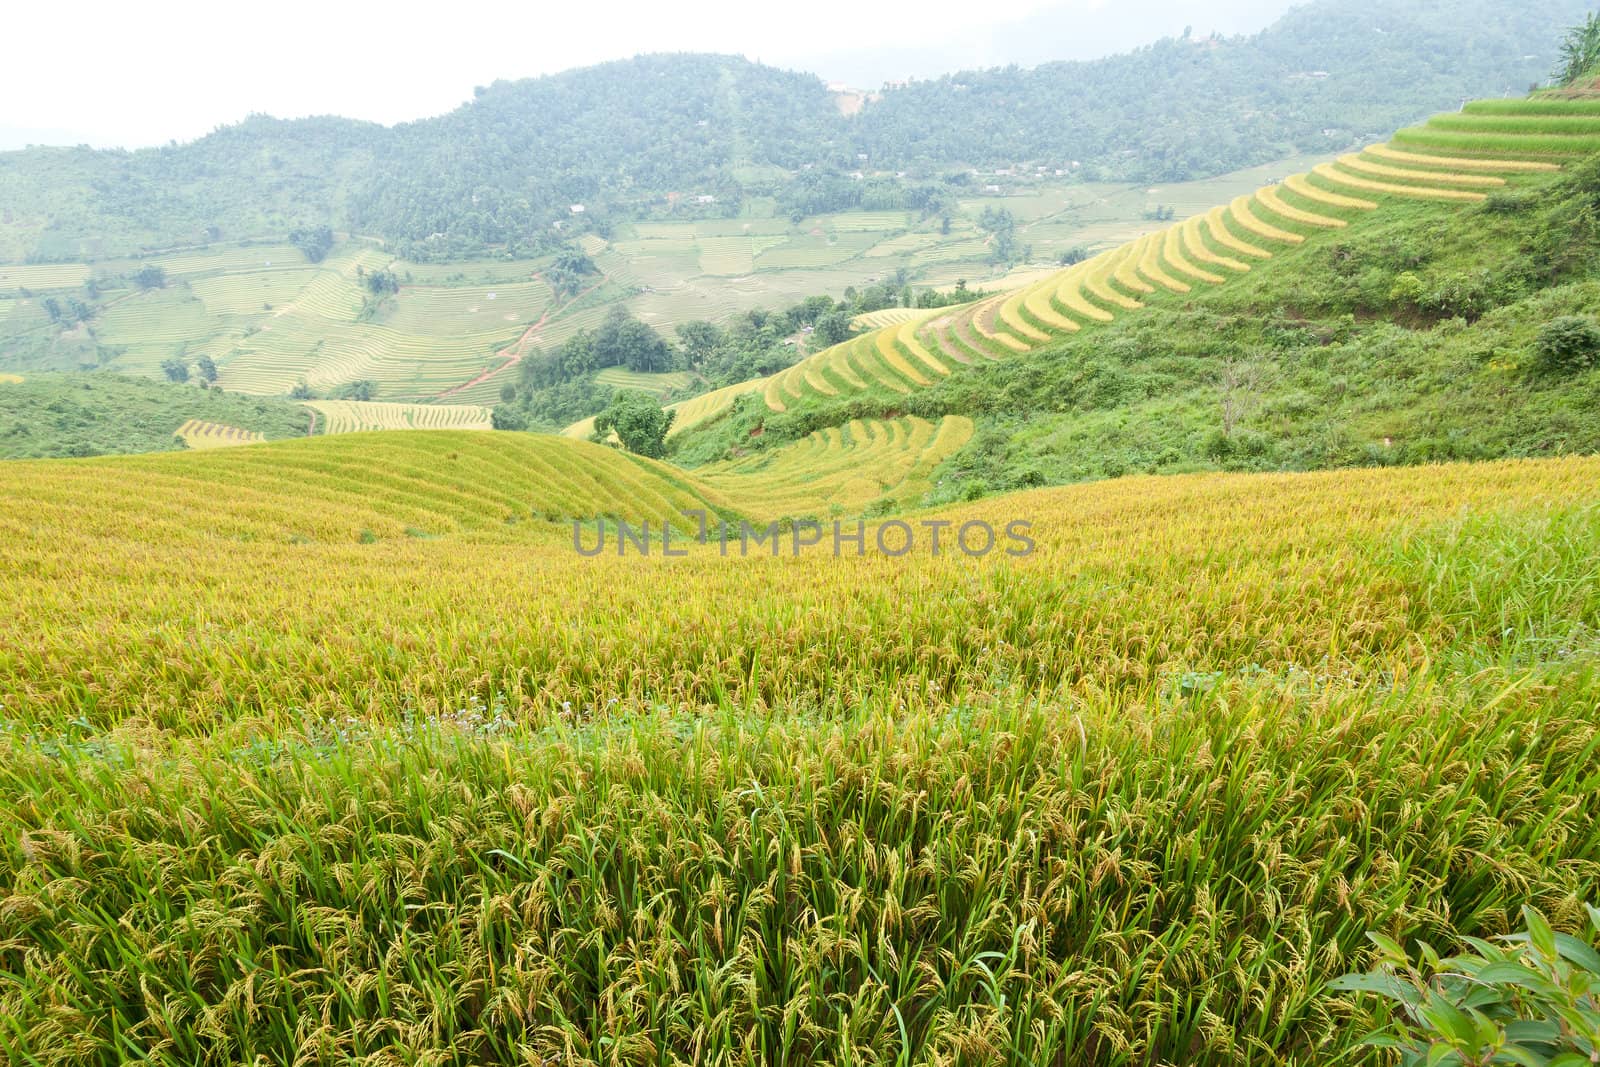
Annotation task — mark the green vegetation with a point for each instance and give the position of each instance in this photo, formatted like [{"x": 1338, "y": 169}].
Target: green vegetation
[
  {"x": 97, "y": 414},
  {"x": 639, "y": 422},
  {"x": 1580, "y": 52},
  {"x": 1529, "y": 1000}
]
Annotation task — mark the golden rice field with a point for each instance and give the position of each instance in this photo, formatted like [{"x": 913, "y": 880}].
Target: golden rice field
[
  {"x": 621, "y": 378},
  {"x": 197, "y": 433},
  {"x": 843, "y": 469},
  {"x": 11, "y": 379},
  {"x": 355, "y": 416},
  {"x": 336, "y": 751}
]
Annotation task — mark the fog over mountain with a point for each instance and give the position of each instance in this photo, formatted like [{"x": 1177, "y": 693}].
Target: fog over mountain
[
  {"x": 140, "y": 81},
  {"x": 1078, "y": 29}
]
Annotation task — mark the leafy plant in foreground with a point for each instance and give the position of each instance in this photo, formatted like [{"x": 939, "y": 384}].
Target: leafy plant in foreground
[{"x": 1534, "y": 1001}]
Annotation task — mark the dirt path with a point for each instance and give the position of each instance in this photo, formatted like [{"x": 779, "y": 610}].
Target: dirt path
[{"x": 513, "y": 354}]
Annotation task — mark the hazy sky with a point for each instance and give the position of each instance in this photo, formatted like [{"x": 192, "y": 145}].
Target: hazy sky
[{"x": 139, "y": 74}]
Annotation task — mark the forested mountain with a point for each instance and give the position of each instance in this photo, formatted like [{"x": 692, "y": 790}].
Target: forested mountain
[
  {"x": 660, "y": 134},
  {"x": 1323, "y": 75},
  {"x": 612, "y": 136}
]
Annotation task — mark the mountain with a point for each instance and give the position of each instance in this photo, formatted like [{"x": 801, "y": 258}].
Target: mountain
[{"x": 620, "y": 137}]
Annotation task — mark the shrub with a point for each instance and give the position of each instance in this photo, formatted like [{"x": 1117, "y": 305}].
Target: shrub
[
  {"x": 1407, "y": 289},
  {"x": 1568, "y": 344},
  {"x": 1531, "y": 1001}
]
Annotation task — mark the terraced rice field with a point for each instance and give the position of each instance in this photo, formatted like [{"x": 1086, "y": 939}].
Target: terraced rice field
[
  {"x": 252, "y": 293},
  {"x": 334, "y": 750},
  {"x": 239, "y": 259},
  {"x": 873, "y": 320},
  {"x": 271, "y": 321},
  {"x": 1539, "y": 128},
  {"x": 355, "y": 416},
  {"x": 904, "y": 352},
  {"x": 816, "y": 251},
  {"x": 158, "y": 316},
  {"x": 660, "y": 384},
  {"x": 42, "y": 276},
  {"x": 842, "y": 470},
  {"x": 453, "y": 311},
  {"x": 727, "y": 256},
  {"x": 198, "y": 434}
]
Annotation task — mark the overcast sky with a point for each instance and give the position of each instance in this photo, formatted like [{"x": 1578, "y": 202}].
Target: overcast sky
[{"x": 139, "y": 74}]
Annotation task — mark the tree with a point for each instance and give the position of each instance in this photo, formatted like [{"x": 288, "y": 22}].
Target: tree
[
  {"x": 699, "y": 339},
  {"x": 381, "y": 282},
  {"x": 1580, "y": 51},
  {"x": 1001, "y": 225},
  {"x": 313, "y": 243},
  {"x": 833, "y": 328},
  {"x": 302, "y": 391},
  {"x": 505, "y": 417},
  {"x": 359, "y": 390},
  {"x": 207, "y": 369},
  {"x": 176, "y": 370},
  {"x": 624, "y": 341},
  {"x": 638, "y": 420},
  {"x": 567, "y": 276},
  {"x": 151, "y": 277}
]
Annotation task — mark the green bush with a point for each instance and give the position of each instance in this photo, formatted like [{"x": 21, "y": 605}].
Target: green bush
[
  {"x": 1568, "y": 344},
  {"x": 1534, "y": 1001}
]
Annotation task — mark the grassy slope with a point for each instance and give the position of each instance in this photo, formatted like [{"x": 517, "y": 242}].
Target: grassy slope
[
  {"x": 337, "y": 799},
  {"x": 1337, "y": 360},
  {"x": 94, "y": 414}
]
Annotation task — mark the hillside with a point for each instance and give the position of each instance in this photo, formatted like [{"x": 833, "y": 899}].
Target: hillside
[
  {"x": 1347, "y": 316},
  {"x": 354, "y": 707},
  {"x": 53, "y": 415},
  {"x": 271, "y": 318},
  {"x": 621, "y": 137}
]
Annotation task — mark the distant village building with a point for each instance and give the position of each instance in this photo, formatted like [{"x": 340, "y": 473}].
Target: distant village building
[
  {"x": 577, "y": 209},
  {"x": 705, "y": 198},
  {"x": 991, "y": 189}
]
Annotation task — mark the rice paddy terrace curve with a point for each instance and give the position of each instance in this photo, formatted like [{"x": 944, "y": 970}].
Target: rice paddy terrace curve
[
  {"x": 1453, "y": 160},
  {"x": 197, "y": 433}
]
